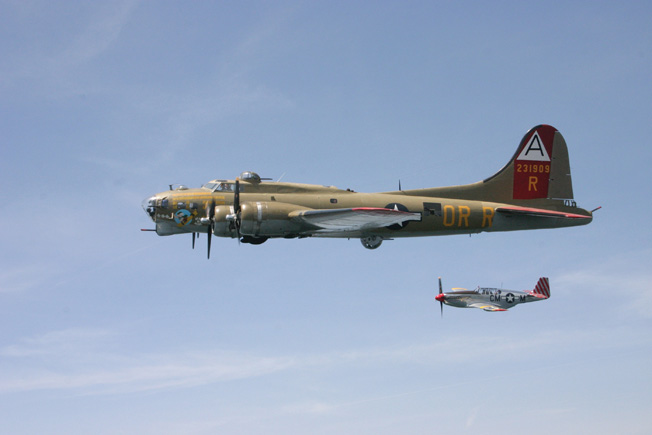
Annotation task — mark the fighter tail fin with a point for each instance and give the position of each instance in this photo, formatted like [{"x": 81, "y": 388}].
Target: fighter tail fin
[{"x": 542, "y": 288}]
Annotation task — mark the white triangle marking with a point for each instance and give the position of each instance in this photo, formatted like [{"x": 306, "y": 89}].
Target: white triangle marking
[{"x": 534, "y": 150}]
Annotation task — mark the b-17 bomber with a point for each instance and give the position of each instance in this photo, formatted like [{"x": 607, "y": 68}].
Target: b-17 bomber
[{"x": 532, "y": 191}]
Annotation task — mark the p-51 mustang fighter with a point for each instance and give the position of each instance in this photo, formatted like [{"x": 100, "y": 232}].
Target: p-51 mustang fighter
[
  {"x": 492, "y": 299},
  {"x": 533, "y": 191}
]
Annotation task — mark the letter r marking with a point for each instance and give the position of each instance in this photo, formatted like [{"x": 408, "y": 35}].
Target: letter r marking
[{"x": 487, "y": 216}]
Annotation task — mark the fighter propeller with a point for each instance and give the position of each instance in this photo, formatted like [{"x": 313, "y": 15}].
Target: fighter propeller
[{"x": 440, "y": 297}]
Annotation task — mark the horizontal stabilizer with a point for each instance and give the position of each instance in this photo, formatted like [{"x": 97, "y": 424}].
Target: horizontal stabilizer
[{"x": 537, "y": 212}]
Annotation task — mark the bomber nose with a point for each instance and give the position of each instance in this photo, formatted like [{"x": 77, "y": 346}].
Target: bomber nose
[{"x": 149, "y": 205}]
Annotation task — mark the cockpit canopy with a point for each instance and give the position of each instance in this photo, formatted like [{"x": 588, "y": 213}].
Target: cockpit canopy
[
  {"x": 220, "y": 186},
  {"x": 488, "y": 291},
  {"x": 229, "y": 186}
]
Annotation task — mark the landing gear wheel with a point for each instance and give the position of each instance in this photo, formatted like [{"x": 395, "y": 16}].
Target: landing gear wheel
[{"x": 371, "y": 242}]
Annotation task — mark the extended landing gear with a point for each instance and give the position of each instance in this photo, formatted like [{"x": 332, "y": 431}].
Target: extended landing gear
[{"x": 371, "y": 242}]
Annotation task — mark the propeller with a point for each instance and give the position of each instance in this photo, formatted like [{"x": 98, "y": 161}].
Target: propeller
[
  {"x": 193, "y": 240},
  {"x": 211, "y": 225},
  {"x": 210, "y": 218},
  {"x": 236, "y": 196},
  {"x": 236, "y": 207},
  {"x": 440, "y": 298}
]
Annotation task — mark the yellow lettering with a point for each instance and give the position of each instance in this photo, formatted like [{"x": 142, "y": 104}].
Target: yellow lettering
[
  {"x": 449, "y": 215},
  {"x": 532, "y": 184},
  {"x": 487, "y": 216},
  {"x": 465, "y": 212}
]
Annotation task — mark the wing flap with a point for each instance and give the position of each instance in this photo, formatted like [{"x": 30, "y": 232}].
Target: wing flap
[{"x": 354, "y": 219}]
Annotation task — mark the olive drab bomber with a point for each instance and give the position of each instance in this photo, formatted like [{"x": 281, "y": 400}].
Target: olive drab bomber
[{"x": 533, "y": 191}]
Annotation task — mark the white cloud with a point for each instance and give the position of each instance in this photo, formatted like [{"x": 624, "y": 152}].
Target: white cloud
[
  {"x": 309, "y": 407},
  {"x": 473, "y": 414},
  {"x": 78, "y": 359},
  {"x": 627, "y": 277},
  {"x": 56, "y": 343},
  {"x": 23, "y": 278},
  {"x": 90, "y": 361},
  {"x": 101, "y": 32},
  {"x": 50, "y": 69}
]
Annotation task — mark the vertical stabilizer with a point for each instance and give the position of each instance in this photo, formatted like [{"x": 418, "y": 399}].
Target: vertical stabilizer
[
  {"x": 540, "y": 168},
  {"x": 538, "y": 173},
  {"x": 542, "y": 288}
]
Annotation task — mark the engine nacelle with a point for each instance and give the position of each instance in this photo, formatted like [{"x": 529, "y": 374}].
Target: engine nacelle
[
  {"x": 224, "y": 226},
  {"x": 268, "y": 219}
]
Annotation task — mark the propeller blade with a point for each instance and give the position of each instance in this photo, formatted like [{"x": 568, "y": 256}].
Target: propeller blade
[
  {"x": 209, "y": 241},
  {"x": 441, "y": 299},
  {"x": 211, "y": 225},
  {"x": 236, "y": 196},
  {"x": 193, "y": 240},
  {"x": 236, "y": 207}
]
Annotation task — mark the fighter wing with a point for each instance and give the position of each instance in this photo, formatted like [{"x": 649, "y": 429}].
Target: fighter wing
[
  {"x": 537, "y": 212},
  {"x": 354, "y": 219},
  {"x": 486, "y": 307}
]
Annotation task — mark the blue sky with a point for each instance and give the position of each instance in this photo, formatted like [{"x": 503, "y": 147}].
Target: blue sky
[{"x": 105, "y": 329}]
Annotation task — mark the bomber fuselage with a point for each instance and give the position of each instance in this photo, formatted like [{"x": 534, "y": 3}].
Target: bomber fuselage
[{"x": 182, "y": 210}]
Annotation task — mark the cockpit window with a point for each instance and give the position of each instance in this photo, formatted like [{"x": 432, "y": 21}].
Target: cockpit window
[
  {"x": 221, "y": 187},
  {"x": 210, "y": 186},
  {"x": 225, "y": 187}
]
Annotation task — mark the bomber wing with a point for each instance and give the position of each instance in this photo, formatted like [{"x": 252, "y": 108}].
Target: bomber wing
[{"x": 354, "y": 219}]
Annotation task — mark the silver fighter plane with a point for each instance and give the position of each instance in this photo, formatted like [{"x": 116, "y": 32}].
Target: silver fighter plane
[{"x": 492, "y": 299}]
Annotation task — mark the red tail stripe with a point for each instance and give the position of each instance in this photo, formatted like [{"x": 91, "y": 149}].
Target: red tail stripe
[
  {"x": 543, "y": 287},
  {"x": 545, "y": 290}
]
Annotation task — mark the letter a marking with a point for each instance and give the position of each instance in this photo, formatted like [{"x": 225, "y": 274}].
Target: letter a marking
[{"x": 534, "y": 150}]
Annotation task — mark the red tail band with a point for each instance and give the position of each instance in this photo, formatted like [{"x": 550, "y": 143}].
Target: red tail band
[{"x": 542, "y": 288}]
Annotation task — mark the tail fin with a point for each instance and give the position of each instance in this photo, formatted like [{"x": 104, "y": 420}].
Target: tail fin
[
  {"x": 538, "y": 170},
  {"x": 542, "y": 288}
]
